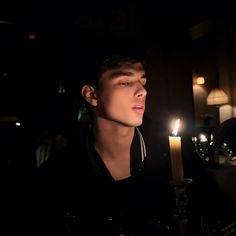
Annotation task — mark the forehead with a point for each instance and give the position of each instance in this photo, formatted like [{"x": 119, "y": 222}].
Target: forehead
[{"x": 127, "y": 69}]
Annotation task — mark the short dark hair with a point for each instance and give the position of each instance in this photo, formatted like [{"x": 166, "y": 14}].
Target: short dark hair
[{"x": 96, "y": 61}]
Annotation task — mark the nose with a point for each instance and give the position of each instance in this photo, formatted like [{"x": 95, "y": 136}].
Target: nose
[{"x": 141, "y": 92}]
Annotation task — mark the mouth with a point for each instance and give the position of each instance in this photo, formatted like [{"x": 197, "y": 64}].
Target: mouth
[{"x": 139, "y": 108}]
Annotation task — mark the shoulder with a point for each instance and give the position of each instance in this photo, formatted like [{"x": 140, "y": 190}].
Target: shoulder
[
  {"x": 157, "y": 162},
  {"x": 65, "y": 159},
  {"x": 155, "y": 136}
]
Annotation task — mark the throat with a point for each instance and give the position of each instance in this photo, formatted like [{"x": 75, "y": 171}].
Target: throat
[
  {"x": 115, "y": 151},
  {"x": 119, "y": 168}
]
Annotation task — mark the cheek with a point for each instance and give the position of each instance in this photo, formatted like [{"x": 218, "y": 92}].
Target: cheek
[
  {"x": 109, "y": 100},
  {"x": 112, "y": 101}
]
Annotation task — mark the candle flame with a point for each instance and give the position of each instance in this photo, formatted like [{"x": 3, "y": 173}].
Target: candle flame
[{"x": 176, "y": 127}]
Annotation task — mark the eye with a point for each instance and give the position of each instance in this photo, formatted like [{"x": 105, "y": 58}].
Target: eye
[
  {"x": 143, "y": 81},
  {"x": 124, "y": 83}
]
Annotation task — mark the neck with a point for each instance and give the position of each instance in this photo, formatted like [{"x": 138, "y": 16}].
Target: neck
[
  {"x": 113, "y": 143},
  {"x": 112, "y": 139}
]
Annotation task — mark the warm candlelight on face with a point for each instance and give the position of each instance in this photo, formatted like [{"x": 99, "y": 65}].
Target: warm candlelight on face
[{"x": 176, "y": 155}]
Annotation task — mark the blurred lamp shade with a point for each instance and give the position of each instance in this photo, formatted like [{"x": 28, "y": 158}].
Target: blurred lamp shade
[{"x": 217, "y": 97}]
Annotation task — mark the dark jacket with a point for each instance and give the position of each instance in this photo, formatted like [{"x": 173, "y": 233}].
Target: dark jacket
[{"x": 76, "y": 194}]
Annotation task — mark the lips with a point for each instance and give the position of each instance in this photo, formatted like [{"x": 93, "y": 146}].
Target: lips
[{"x": 139, "y": 107}]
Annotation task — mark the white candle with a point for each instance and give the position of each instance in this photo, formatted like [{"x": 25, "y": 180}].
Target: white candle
[{"x": 176, "y": 156}]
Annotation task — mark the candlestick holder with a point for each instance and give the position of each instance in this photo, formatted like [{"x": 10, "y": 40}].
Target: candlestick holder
[{"x": 182, "y": 213}]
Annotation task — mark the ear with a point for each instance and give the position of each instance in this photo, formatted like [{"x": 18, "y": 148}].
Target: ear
[{"x": 89, "y": 94}]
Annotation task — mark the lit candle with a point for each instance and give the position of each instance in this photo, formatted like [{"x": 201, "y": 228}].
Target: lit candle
[{"x": 176, "y": 155}]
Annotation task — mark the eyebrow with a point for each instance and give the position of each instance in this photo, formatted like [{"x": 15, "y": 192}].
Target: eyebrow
[{"x": 117, "y": 74}]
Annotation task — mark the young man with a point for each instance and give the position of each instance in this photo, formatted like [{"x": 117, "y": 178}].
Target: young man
[
  {"x": 99, "y": 185},
  {"x": 110, "y": 182},
  {"x": 118, "y": 105}
]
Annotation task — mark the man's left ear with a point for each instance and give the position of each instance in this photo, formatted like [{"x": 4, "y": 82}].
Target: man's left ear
[{"x": 88, "y": 92}]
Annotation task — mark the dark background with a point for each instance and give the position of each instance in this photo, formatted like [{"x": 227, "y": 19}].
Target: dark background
[{"x": 39, "y": 41}]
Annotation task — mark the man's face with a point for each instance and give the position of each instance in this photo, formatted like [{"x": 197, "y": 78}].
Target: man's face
[{"x": 121, "y": 95}]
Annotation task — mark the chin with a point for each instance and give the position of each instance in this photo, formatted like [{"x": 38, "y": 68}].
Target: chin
[
  {"x": 132, "y": 122},
  {"x": 138, "y": 123}
]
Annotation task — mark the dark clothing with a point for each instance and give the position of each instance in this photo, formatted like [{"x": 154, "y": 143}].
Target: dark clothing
[
  {"x": 81, "y": 195},
  {"x": 78, "y": 196}
]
